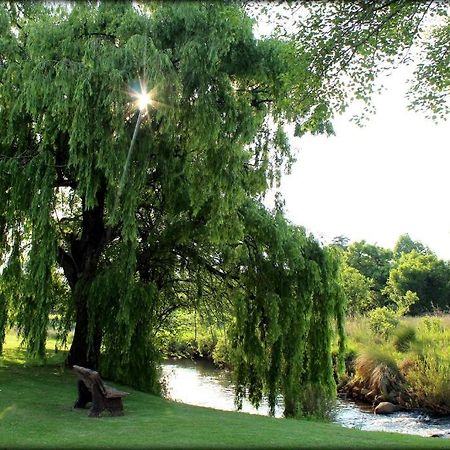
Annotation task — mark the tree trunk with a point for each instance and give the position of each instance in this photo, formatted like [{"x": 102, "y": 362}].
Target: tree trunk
[
  {"x": 289, "y": 407},
  {"x": 82, "y": 352},
  {"x": 80, "y": 266}
]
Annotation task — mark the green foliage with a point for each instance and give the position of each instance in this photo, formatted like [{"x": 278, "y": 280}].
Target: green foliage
[
  {"x": 222, "y": 350},
  {"x": 287, "y": 316},
  {"x": 405, "y": 244},
  {"x": 429, "y": 365},
  {"x": 354, "y": 42},
  {"x": 404, "y": 302},
  {"x": 192, "y": 334},
  {"x": 15, "y": 354},
  {"x": 426, "y": 276},
  {"x": 409, "y": 279},
  {"x": 418, "y": 347},
  {"x": 3, "y": 315},
  {"x": 428, "y": 378},
  {"x": 403, "y": 337},
  {"x": 429, "y": 90},
  {"x": 374, "y": 263},
  {"x": 432, "y": 324},
  {"x": 341, "y": 242},
  {"x": 187, "y": 231},
  {"x": 382, "y": 321},
  {"x": 358, "y": 290}
]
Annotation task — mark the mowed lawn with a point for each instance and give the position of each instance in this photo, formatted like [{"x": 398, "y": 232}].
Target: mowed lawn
[{"x": 36, "y": 412}]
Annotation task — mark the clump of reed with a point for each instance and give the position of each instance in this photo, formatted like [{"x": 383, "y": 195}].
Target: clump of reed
[{"x": 378, "y": 373}]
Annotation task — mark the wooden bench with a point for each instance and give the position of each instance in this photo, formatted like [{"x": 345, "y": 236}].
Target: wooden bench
[{"x": 92, "y": 389}]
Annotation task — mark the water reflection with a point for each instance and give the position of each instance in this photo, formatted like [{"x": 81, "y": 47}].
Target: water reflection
[{"x": 201, "y": 383}]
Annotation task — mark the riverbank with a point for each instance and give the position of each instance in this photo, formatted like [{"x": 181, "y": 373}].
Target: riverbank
[
  {"x": 36, "y": 412},
  {"x": 407, "y": 365},
  {"x": 201, "y": 383},
  {"x": 403, "y": 363}
]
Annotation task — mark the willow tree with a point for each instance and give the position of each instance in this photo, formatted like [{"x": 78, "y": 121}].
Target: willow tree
[
  {"x": 112, "y": 252},
  {"x": 287, "y": 303}
]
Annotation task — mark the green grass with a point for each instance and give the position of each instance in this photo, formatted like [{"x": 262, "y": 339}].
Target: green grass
[
  {"x": 36, "y": 412},
  {"x": 14, "y": 354}
]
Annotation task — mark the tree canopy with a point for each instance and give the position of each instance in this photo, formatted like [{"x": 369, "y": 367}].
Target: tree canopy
[
  {"x": 425, "y": 275},
  {"x": 405, "y": 244},
  {"x": 358, "y": 290},
  {"x": 373, "y": 262},
  {"x": 189, "y": 225},
  {"x": 373, "y": 276}
]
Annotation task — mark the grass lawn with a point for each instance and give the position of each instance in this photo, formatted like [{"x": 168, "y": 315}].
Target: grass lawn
[{"x": 36, "y": 412}]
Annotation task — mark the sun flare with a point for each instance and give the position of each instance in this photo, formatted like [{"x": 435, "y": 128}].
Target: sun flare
[{"x": 143, "y": 100}]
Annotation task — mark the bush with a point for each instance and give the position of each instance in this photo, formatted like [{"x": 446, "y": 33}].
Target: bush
[
  {"x": 432, "y": 324},
  {"x": 414, "y": 363},
  {"x": 429, "y": 380},
  {"x": 403, "y": 337},
  {"x": 221, "y": 353},
  {"x": 382, "y": 321}
]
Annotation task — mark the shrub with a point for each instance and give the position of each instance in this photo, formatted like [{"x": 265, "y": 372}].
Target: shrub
[
  {"x": 206, "y": 342},
  {"x": 382, "y": 321},
  {"x": 221, "y": 353},
  {"x": 403, "y": 337},
  {"x": 432, "y": 324},
  {"x": 407, "y": 365},
  {"x": 429, "y": 380}
]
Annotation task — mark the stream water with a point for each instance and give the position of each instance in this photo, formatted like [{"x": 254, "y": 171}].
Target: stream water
[{"x": 201, "y": 383}]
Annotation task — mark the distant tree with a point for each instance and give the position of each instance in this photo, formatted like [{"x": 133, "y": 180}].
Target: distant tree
[
  {"x": 372, "y": 261},
  {"x": 405, "y": 244},
  {"x": 341, "y": 242},
  {"x": 358, "y": 290},
  {"x": 426, "y": 276}
]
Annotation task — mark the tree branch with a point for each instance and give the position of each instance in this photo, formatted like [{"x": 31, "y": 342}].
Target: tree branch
[{"x": 69, "y": 266}]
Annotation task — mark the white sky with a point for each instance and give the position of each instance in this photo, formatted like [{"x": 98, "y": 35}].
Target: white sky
[{"x": 377, "y": 182}]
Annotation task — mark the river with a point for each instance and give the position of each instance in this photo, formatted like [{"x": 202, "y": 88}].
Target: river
[{"x": 201, "y": 383}]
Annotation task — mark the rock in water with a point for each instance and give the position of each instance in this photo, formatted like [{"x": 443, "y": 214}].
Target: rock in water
[
  {"x": 386, "y": 408},
  {"x": 437, "y": 435}
]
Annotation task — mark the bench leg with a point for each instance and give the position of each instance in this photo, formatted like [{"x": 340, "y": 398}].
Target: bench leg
[
  {"x": 98, "y": 403},
  {"x": 114, "y": 406},
  {"x": 84, "y": 396}
]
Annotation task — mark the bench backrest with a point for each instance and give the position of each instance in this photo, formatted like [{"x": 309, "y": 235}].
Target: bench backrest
[{"x": 90, "y": 378}]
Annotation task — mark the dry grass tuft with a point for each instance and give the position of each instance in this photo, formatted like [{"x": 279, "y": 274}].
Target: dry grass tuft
[{"x": 378, "y": 372}]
